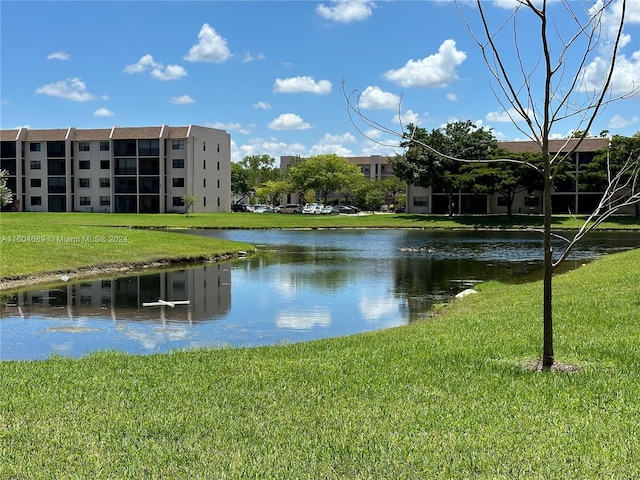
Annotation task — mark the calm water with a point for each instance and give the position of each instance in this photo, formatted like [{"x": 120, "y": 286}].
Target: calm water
[{"x": 302, "y": 285}]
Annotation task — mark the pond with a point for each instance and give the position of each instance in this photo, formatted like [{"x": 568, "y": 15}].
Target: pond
[{"x": 300, "y": 286}]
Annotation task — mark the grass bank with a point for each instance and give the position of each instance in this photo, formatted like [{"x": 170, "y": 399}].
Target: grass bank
[
  {"x": 446, "y": 398},
  {"x": 43, "y": 245}
]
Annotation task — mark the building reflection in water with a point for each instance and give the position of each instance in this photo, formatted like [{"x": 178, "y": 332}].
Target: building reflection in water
[{"x": 208, "y": 290}]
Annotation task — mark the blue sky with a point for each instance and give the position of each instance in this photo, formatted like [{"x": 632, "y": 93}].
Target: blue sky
[{"x": 271, "y": 73}]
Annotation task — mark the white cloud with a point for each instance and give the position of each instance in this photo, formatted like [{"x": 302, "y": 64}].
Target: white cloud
[
  {"x": 262, "y": 105},
  {"x": 289, "y": 121},
  {"x": 510, "y": 115},
  {"x": 158, "y": 70},
  {"x": 452, "y": 97},
  {"x": 304, "y": 319},
  {"x": 618, "y": 121},
  {"x": 59, "y": 56},
  {"x": 346, "y": 11},
  {"x": 261, "y": 146},
  {"x": 211, "y": 47},
  {"x": 333, "y": 144},
  {"x": 103, "y": 112},
  {"x": 232, "y": 127},
  {"x": 182, "y": 100},
  {"x": 302, "y": 85},
  {"x": 251, "y": 57},
  {"x": 437, "y": 70},
  {"x": 626, "y": 74},
  {"x": 71, "y": 89},
  {"x": 374, "y": 98},
  {"x": 409, "y": 117}
]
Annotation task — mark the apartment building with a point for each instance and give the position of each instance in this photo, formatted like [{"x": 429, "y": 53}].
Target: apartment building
[
  {"x": 120, "y": 169},
  {"x": 567, "y": 196}
]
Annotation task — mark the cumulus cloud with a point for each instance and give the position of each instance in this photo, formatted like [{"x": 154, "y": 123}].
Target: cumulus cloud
[
  {"x": 157, "y": 70},
  {"x": 346, "y": 11},
  {"x": 211, "y": 47},
  {"x": 59, "y": 56},
  {"x": 374, "y": 98},
  {"x": 182, "y": 100},
  {"x": 103, "y": 112},
  {"x": 266, "y": 146},
  {"x": 626, "y": 74},
  {"x": 71, "y": 89},
  {"x": 408, "y": 117},
  {"x": 452, "y": 97},
  {"x": 302, "y": 85},
  {"x": 437, "y": 70},
  {"x": 262, "y": 106},
  {"x": 289, "y": 121}
]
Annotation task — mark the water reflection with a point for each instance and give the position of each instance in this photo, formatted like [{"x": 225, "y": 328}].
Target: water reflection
[{"x": 302, "y": 285}]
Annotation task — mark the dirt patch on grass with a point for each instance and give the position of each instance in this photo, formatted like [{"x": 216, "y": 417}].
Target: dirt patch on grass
[{"x": 562, "y": 367}]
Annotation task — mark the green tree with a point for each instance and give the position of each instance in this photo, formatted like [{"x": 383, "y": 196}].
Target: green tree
[
  {"x": 6, "y": 197},
  {"x": 504, "y": 178},
  {"x": 596, "y": 175},
  {"x": 274, "y": 191},
  {"x": 252, "y": 172},
  {"x": 430, "y": 159},
  {"x": 190, "y": 201},
  {"x": 326, "y": 174},
  {"x": 239, "y": 181}
]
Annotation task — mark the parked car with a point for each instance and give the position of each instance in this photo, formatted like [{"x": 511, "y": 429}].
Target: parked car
[
  {"x": 312, "y": 209},
  {"x": 263, "y": 209},
  {"x": 329, "y": 210},
  {"x": 347, "y": 209},
  {"x": 240, "y": 207},
  {"x": 289, "y": 208}
]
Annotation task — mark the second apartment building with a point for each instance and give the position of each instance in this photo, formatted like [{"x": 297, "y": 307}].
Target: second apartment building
[{"x": 119, "y": 169}]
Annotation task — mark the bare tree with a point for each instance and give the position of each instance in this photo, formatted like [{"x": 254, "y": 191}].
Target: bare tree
[{"x": 544, "y": 86}]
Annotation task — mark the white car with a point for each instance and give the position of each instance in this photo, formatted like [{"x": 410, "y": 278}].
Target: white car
[{"x": 312, "y": 209}]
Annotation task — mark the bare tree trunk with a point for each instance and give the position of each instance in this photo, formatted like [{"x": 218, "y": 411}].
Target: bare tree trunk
[{"x": 547, "y": 308}]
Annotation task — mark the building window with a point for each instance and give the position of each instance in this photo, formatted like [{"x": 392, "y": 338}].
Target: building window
[
  {"x": 55, "y": 149},
  {"x": 105, "y": 164},
  {"x": 84, "y": 165},
  {"x": 178, "y": 182},
  {"x": 531, "y": 201},
  {"x": 177, "y": 145},
  {"x": 148, "y": 148},
  {"x": 84, "y": 147},
  {"x": 178, "y": 202},
  {"x": 218, "y": 148},
  {"x": 218, "y": 183},
  {"x": 104, "y": 146},
  {"x": 204, "y": 201},
  {"x": 35, "y": 165},
  {"x": 204, "y": 164},
  {"x": 218, "y": 166},
  {"x": 36, "y": 182},
  {"x": 420, "y": 201},
  {"x": 55, "y": 167},
  {"x": 126, "y": 185},
  {"x": 149, "y": 166},
  {"x": 124, "y": 148},
  {"x": 125, "y": 166},
  {"x": 503, "y": 202},
  {"x": 85, "y": 200},
  {"x": 84, "y": 182},
  {"x": 105, "y": 200},
  {"x": 34, "y": 147},
  {"x": 36, "y": 200},
  {"x": 178, "y": 163},
  {"x": 105, "y": 182},
  {"x": 218, "y": 201},
  {"x": 204, "y": 146},
  {"x": 57, "y": 185},
  {"x": 204, "y": 183}
]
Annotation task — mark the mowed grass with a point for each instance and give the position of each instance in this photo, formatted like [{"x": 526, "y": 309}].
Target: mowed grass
[
  {"x": 42, "y": 245},
  {"x": 444, "y": 398}
]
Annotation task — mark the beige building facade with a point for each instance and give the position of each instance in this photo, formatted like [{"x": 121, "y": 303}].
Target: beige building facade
[{"x": 118, "y": 169}]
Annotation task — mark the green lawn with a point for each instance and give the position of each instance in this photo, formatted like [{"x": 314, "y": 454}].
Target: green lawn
[{"x": 444, "y": 398}]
